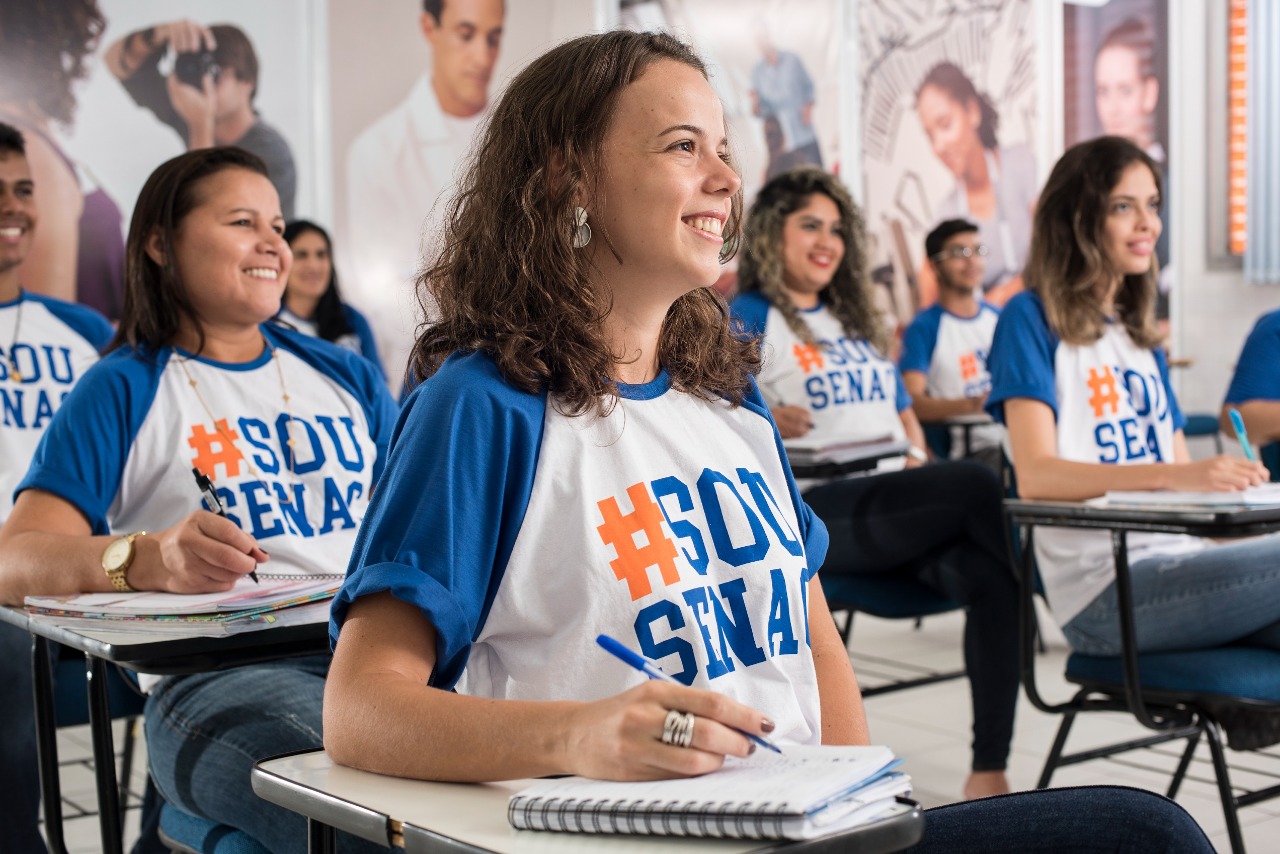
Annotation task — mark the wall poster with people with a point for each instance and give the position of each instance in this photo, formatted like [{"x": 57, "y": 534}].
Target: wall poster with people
[
  {"x": 950, "y": 129},
  {"x": 1115, "y": 82},
  {"x": 105, "y": 90},
  {"x": 418, "y": 80},
  {"x": 777, "y": 73}
]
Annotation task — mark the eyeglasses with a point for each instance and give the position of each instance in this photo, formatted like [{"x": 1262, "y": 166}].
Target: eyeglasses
[{"x": 962, "y": 252}]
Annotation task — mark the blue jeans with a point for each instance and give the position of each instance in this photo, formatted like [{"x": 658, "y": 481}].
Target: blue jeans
[
  {"x": 1228, "y": 593},
  {"x": 1078, "y": 820},
  {"x": 19, "y": 771},
  {"x": 206, "y": 731}
]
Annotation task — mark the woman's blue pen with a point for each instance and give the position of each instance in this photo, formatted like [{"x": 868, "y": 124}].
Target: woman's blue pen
[
  {"x": 653, "y": 671},
  {"x": 1241, "y": 436}
]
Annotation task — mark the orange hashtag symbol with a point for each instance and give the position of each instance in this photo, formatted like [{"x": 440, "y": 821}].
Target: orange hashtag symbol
[
  {"x": 223, "y": 440},
  {"x": 808, "y": 355},
  {"x": 1104, "y": 394},
  {"x": 632, "y": 563},
  {"x": 968, "y": 366}
]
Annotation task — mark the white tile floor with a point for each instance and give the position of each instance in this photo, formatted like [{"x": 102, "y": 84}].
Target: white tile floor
[{"x": 929, "y": 727}]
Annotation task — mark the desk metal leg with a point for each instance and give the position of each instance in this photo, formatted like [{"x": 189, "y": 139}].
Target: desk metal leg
[
  {"x": 47, "y": 743},
  {"x": 321, "y": 838},
  {"x": 104, "y": 756}
]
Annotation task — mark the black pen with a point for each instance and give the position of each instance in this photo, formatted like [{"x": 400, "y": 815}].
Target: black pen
[{"x": 211, "y": 498}]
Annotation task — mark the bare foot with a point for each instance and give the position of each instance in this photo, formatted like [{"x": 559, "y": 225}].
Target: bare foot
[{"x": 984, "y": 784}]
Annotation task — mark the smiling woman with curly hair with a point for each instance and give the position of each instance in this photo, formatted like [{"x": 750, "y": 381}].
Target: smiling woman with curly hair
[
  {"x": 78, "y": 253},
  {"x": 826, "y": 380}
]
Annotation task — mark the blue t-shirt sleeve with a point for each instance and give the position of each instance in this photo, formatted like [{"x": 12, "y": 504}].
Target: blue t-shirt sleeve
[
  {"x": 751, "y": 310},
  {"x": 918, "y": 343},
  {"x": 444, "y": 518},
  {"x": 1021, "y": 359},
  {"x": 82, "y": 455},
  {"x": 813, "y": 533},
  {"x": 86, "y": 322},
  {"x": 364, "y": 333},
  {"x": 903, "y": 397},
  {"x": 1257, "y": 375},
  {"x": 1162, "y": 364}
]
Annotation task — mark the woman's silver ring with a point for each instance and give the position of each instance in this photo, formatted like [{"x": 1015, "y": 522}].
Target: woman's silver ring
[{"x": 677, "y": 729}]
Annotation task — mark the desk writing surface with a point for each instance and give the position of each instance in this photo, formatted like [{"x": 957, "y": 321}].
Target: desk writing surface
[
  {"x": 180, "y": 652},
  {"x": 474, "y": 813},
  {"x": 1209, "y": 521}
]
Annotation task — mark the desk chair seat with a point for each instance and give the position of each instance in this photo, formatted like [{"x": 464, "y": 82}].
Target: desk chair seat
[
  {"x": 890, "y": 597},
  {"x": 189, "y": 834},
  {"x": 1229, "y": 673}
]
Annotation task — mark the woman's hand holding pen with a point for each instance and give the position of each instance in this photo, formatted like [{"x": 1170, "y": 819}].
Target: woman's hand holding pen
[
  {"x": 620, "y": 737},
  {"x": 793, "y": 421},
  {"x": 1218, "y": 474},
  {"x": 203, "y": 553}
]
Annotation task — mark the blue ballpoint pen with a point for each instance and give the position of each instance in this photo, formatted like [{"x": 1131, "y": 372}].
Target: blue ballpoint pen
[
  {"x": 1241, "y": 436},
  {"x": 653, "y": 671}
]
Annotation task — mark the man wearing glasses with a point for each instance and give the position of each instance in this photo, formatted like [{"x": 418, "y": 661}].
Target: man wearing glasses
[{"x": 944, "y": 350}]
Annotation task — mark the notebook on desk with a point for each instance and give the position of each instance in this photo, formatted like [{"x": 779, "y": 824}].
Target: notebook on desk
[
  {"x": 805, "y": 793},
  {"x": 1266, "y": 495},
  {"x": 807, "y": 452}
]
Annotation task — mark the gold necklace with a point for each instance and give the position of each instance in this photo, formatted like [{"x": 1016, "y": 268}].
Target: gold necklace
[
  {"x": 14, "y": 373},
  {"x": 220, "y": 425}
]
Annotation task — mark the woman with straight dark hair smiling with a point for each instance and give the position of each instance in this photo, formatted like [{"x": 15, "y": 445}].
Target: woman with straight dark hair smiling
[
  {"x": 312, "y": 299},
  {"x": 292, "y": 433}
]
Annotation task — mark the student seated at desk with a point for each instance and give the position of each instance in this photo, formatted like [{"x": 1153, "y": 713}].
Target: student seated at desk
[
  {"x": 49, "y": 346},
  {"x": 588, "y": 454},
  {"x": 292, "y": 430},
  {"x": 944, "y": 350},
  {"x": 1255, "y": 386},
  {"x": 805, "y": 294},
  {"x": 1080, "y": 381}
]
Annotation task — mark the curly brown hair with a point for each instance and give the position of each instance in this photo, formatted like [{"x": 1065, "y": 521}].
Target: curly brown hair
[
  {"x": 43, "y": 45},
  {"x": 761, "y": 268},
  {"x": 508, "y": 281},
  {"x": 1067, "y": 265}
]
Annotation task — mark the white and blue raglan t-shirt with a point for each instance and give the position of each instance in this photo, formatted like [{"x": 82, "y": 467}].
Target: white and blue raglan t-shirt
[
  {"x": 951, "y": 351},
  {"x": 122, "y": 447},
  {"x": 522, "y": 533},
  {"x": 1257, "y": 375},
  {"x": 1113, "y": 404},
  {"x": 51, "y": 343},
  {"x": 852, "y": 391}
]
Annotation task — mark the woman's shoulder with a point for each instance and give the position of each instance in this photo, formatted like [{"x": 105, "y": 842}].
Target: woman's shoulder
[
  {"x": 475, "y": 375},
  {"x": 752, "y": 309}
]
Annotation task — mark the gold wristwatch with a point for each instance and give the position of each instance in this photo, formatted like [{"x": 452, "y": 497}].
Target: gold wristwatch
[{"x": 118, "y": 557}]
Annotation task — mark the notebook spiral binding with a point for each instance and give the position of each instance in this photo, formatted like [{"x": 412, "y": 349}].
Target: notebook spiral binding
[{"x": 713, "y": 819}]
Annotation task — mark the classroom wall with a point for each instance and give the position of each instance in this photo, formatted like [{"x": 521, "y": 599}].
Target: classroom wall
[{"x": 1213, "y": 309}]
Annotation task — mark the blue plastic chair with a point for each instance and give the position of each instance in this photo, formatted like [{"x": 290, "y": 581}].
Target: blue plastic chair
[
  {"x": 1201, "y": 424},
  {"x": 891, "y": 598},
  {"x": 1177, "y": 695},
  {"x": 1270, "y": 455}
]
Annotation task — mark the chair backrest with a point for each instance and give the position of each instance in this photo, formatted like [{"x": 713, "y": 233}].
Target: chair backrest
[{"x": 71, "y": 695}]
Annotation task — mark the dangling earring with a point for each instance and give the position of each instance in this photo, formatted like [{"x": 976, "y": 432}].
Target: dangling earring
[{"x": 581, "y": 231}]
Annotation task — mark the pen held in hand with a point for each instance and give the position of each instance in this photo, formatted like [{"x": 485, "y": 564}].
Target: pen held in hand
[
  {"x": 653, "y": 671},
  {"x": 1242, "y": 437},
  {"x": 215, "y": 504}
]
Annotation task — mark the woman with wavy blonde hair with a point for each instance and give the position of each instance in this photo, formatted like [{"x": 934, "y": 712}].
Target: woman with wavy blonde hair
[{"x": 806, "y": 296}]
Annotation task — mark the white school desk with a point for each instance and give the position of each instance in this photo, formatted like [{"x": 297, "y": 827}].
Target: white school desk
[
  {"x": 468, "y": 818},
  {"x": 849, "y": 461},
  {"x": 966, "y": 423},
  {"x": 174, "y": 652}
]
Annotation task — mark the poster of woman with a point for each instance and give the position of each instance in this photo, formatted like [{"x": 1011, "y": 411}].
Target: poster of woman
[
  {"x": 949, "y": 129},
  {"x": 1115, "y": 82}
]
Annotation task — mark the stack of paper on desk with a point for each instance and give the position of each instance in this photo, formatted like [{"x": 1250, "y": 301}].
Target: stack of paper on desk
[
  {"x": 807, "y": 792},
  {"x": 1254, "y": 496},
  {"x": 246, "y": 600},
  {"x": 807, "y": 452}
]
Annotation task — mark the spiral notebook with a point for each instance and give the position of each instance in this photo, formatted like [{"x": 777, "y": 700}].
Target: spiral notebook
[{"x": 804, "y": 793}]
